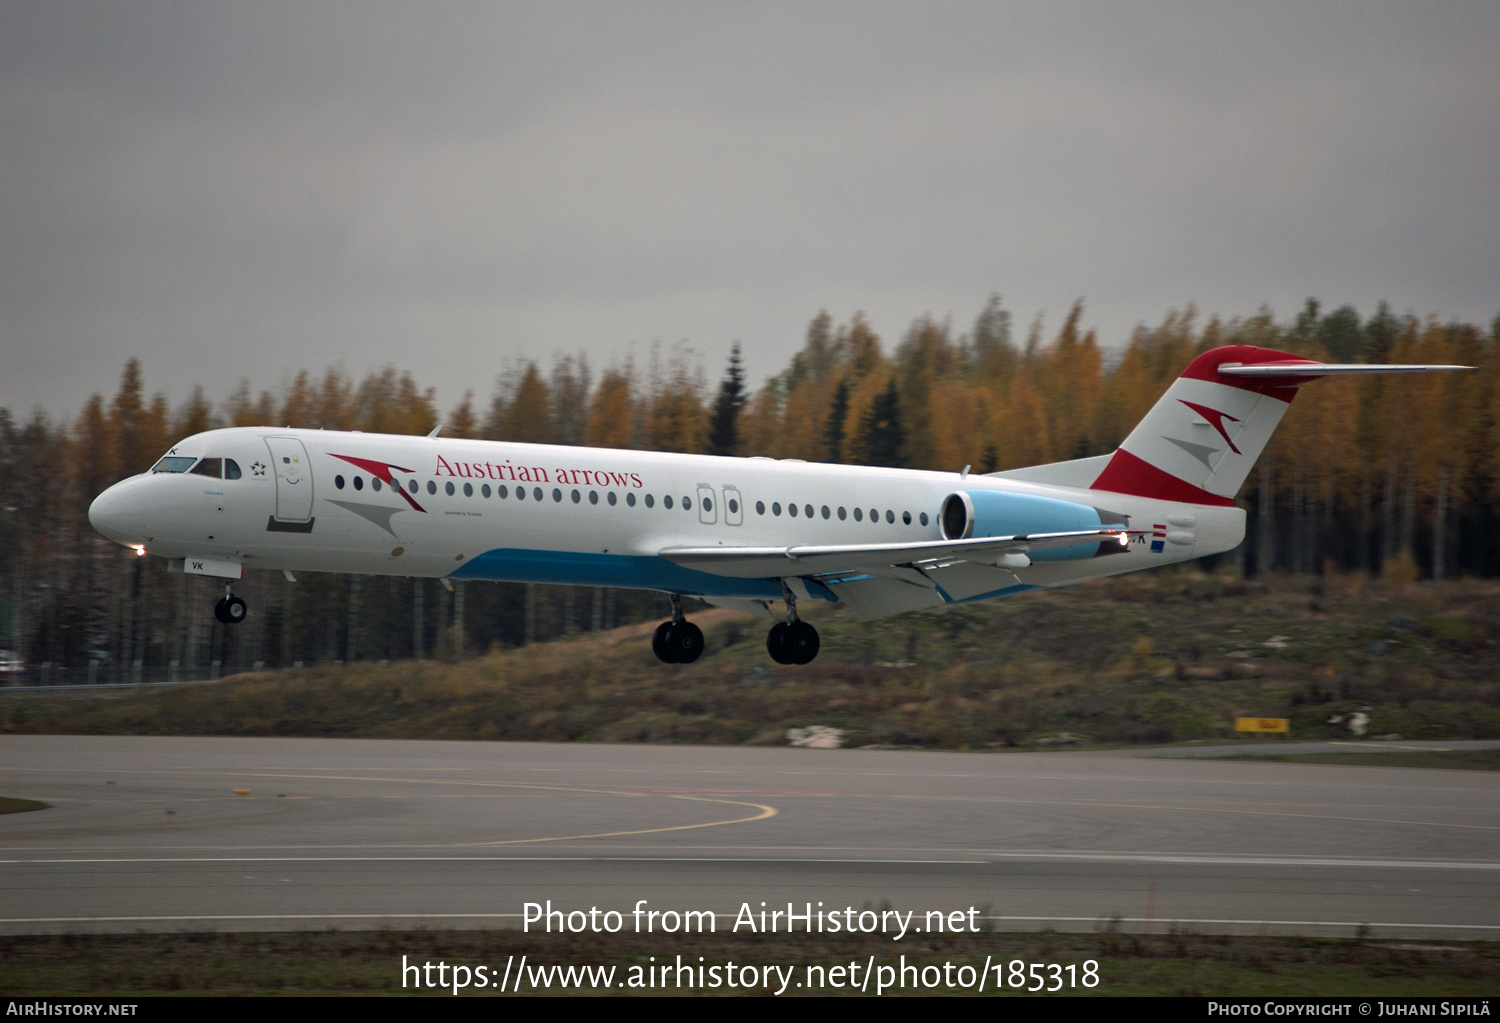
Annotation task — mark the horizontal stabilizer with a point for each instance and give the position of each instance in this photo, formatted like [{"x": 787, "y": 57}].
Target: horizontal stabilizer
[{"x": 1323, "y": 369}]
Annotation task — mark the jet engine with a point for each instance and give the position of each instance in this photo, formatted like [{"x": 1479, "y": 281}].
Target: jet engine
[{"x": 980, "y": 513}]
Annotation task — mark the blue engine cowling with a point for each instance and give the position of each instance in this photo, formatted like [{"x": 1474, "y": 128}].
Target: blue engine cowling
[{"x": 979, "y": 513}]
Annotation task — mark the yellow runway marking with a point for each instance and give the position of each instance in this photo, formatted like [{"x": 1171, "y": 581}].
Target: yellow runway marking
[
  {"x": 765, "y": 811},
  {"x": 973, "y": 799}
]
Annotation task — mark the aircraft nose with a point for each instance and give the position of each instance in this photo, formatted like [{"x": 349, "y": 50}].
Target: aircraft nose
[{"x": 118, "y": 516}]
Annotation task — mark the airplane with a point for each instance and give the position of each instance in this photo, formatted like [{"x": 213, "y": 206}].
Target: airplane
[{"x": 744, "y": 533}]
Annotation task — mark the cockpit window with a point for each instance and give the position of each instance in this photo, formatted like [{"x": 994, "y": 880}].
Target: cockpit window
[
  {"x": 173, "y": 463},
  {"x": 210, "y": 467},
  {"x": 231, "y": 469}
]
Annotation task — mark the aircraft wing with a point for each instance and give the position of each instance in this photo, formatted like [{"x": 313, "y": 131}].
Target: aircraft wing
[{"x": 820, "y": 560}]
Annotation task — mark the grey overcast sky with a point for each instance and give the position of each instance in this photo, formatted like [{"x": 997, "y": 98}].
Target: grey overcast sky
[{"x": 241, "y": 190}]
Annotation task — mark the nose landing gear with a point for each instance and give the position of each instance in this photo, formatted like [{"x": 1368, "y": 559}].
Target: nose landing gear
[
  {"x": 792, "y": 641},
  {"x": 678, "y": 641},
  {"x": 230, "y": 610}
]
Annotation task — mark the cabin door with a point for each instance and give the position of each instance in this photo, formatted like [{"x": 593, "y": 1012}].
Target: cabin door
[{"x": 294, "y": 485}]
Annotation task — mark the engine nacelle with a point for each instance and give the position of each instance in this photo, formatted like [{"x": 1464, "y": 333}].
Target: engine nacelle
[{"x": 980, "y": 513}]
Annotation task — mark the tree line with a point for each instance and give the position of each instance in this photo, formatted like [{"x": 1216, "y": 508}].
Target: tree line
[{"x": 1380, "y": 474}]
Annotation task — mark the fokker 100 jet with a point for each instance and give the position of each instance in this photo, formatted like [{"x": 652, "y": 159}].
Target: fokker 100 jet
[{"x": 742, "y": 533}]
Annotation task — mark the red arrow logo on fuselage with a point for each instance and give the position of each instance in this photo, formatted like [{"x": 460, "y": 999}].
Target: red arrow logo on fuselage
[
  {"x": 382, "y": 472},
  {"x": 1215, "y": 419}
]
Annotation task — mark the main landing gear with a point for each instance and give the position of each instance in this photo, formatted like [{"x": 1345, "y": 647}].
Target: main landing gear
[
  {"x": 792, "y": 641},
  {"x": 678, "y": 641},
  {"x": 230, "y": 609}
]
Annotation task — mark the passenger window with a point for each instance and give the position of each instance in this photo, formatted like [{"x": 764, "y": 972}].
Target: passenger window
[
  {"x": 375, "y": 485},
  {"x": 708, "y": 505},
  {"x": 557, "y": 495},
  {"x": 484, "y": 489},
  {"x": 808, "y": 509},
  {"x": 924, "y": 518},
  {"x": 231, "y": 469},
  {"x": 536, "y": 493},
  {"x": 468, "y": 490},
  {"x": 630, "y": 500},
  {"x": 859, "y": 515},
  {"x": 889, "y": 515},
  {"x": 874, "y": 514},
  {"x": 502, "y": 491},
  {"x": 210, "y": 467},
  {"x": 826, "y": 512},
  {"x": 650, "y": 501},
  {"x": 448, "y": 488},
  {"x": 760, "y": 507},
  {"x": 593, "y": 497},
  {"x": 842, "y": 514},
  {"x": 359, "y": 483},
  {"x": 687, "y": 504},
  {"x": 520, "y": 493},
  {"x": 431, "y": 487},
  {"x": 577, "y": 497},
  {"x": 338, "y": 482},
  {"x": 666, "y": 502},
  {"x": 610, "y": 497},
  {"x": 906, "y": 518},
  {"x": 791, "y": 510},
  {"x": 775, "y": 507}
]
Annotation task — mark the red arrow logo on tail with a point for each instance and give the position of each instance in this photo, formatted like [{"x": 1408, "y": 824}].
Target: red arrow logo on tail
[{"x": 1214, "y": 417}]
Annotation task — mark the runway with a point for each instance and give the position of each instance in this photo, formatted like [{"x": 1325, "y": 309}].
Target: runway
[{"x": 148, "y": 833}]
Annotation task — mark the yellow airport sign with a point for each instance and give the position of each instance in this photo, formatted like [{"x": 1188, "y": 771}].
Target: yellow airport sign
[{"x": 1262, "y": 724}]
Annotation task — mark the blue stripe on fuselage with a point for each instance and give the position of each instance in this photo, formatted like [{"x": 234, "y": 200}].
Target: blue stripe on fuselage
[{"x": 516, "y": 565}]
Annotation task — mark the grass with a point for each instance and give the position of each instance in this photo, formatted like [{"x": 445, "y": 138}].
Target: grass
[
  {"x": 1459, "y": 759},
  {"x": 366, "y": 963},
  {"x": 369, "y": 962},
  {"x": 1145, "y": 658}
]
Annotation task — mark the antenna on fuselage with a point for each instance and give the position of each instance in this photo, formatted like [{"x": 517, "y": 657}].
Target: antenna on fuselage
[{"x": 435, "y": 430}]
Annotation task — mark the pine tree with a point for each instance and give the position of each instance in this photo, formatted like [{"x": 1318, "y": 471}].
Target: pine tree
[
  {"x": 723, "y": 428},
  {"x": 881, "y": 433},
  {"x": 833, "y": 430}
]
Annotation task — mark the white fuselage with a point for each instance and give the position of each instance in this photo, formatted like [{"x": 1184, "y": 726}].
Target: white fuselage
[{"x": 314, "y": 500}]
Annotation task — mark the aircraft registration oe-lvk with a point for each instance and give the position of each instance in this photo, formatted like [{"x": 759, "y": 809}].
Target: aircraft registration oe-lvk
[{"x": 735, "y": 532}]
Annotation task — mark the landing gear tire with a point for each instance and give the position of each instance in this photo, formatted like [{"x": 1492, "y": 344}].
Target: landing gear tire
[
  {"x": 776, "y": 643},
  {"x": 230, "y": 610},
  {"x": 659, "y": 643},
  {"x": 792, "y": 643},
  {"x": 686, "y": 641},
  {"x": 677, "y": 642},
  {"x": 802, "y": 642}
]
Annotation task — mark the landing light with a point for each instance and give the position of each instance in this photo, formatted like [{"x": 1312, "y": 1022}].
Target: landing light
[
  {"x": 140, "y": 549},
  {"x": 1124, "y": 540}
]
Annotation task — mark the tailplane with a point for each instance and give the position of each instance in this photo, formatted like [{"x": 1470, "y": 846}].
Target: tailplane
[{"x": 1201, "y": 439}]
